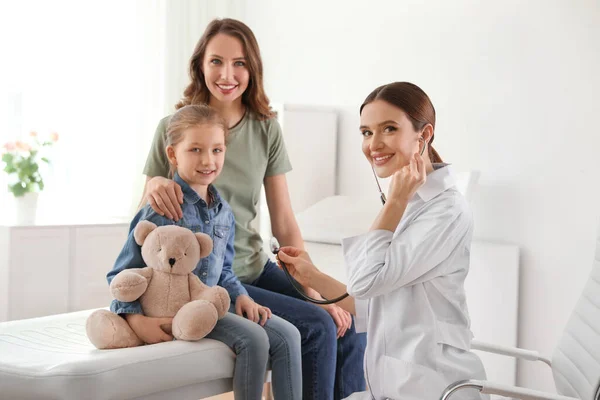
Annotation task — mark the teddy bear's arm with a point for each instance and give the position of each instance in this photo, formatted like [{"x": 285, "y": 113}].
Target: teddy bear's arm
[
  {"x": 131, "y": 283},
  {"x": 196, "y": 287},
  {"x": 215, "y": 295}
]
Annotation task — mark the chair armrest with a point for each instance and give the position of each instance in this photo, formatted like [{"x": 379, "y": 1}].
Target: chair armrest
[
  {"x": 486, "y": 387},
  {"x": 509, "y": 351}
]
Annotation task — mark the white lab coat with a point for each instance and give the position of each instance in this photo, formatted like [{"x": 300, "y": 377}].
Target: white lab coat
[{"x": 409, "y": 291}]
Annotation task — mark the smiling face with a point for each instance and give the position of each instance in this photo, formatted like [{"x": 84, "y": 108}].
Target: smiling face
[
  {"x": 225, "y": 68},
  {"x": 198, "y": 157},
  {"x": 389, "y": 137}
]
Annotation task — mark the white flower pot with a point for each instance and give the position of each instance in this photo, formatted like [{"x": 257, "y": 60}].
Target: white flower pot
[{"x": 26, "y": 207}]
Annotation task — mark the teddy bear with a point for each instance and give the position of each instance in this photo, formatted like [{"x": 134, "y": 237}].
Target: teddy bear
[{"x": 167, "y": 287}]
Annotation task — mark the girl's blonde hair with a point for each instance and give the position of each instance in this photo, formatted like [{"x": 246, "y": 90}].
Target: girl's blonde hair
[{"x": 191, "y": 116}]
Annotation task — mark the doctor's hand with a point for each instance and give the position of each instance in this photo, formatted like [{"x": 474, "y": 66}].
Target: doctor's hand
[
  {"x": 165, "y": 197},
  {"x": 298, "y": 263},
  {"x": 300, "y": 266},
  {"x": 407, "y": 180}
]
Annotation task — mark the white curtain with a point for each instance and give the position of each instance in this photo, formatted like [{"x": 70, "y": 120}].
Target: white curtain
[{"x": 101, "y": 74}]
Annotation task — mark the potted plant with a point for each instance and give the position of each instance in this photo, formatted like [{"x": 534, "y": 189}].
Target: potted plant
[{"x": 22, "y": 164}]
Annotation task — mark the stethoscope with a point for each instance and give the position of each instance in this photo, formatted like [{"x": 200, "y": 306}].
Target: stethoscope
[
  {"x": 275, "y": 249},
  {"x": 295, "y": 284}
]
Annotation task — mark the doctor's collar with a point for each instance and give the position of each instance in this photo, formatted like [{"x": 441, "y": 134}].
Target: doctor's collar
[{"x": 440, "y": 179}]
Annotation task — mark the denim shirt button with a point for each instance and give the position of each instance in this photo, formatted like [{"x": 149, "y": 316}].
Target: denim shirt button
[
  {"x": 207, "y": 222},
  {"x": 204, "y": 274}
]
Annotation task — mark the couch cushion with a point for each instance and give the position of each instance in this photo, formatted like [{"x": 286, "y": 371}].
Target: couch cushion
[{"x": 52, "y": 358}]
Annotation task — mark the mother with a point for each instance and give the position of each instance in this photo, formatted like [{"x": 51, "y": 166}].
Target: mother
[{"x": 226, "y": 73}]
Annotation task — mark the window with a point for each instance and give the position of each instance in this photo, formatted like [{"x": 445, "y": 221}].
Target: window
[{"x": 93, "y": 73}]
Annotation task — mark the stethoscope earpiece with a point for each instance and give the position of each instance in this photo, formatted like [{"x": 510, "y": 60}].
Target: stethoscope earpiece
[{"x": 424, "y": 145}]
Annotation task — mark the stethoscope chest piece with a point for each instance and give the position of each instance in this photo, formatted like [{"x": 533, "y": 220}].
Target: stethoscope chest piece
[{"x": 274, "y": 245}]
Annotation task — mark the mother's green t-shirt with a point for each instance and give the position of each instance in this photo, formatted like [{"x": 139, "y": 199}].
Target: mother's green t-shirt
[{"x": 255, "y": 150}]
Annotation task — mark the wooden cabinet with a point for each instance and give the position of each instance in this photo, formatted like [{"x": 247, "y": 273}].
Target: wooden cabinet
[{"x": 53, "y": 269}]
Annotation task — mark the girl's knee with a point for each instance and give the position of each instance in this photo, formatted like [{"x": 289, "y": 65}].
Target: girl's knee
[
  {"x": 255, "y": 340},
  {"x": 286, "y": 332}
]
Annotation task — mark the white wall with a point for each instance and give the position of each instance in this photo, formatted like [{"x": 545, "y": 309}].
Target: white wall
[{"x": 515, "y": 85}]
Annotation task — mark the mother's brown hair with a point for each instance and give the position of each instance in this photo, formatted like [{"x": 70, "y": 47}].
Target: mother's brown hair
[
  {"x": 254, "y": 96},
  {"x": 414, "y": 102}
]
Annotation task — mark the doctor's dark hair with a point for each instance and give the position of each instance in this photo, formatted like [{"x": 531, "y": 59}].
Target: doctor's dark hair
[
  {"x": 254, "y": 96},
  {"x": 414, "y": 102},
  {"x": 189, "y": 117}
]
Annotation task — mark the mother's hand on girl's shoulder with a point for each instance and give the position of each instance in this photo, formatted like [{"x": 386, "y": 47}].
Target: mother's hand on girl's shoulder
[{"x": 165, "y": 197}]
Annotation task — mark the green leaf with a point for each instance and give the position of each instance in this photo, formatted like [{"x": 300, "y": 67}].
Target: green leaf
[
  {"x": 23, "y": 175},
  {"x": 8, "y": 158},
  {"x": 26, "y": 168},
  {"x": 18, "y": 189}
]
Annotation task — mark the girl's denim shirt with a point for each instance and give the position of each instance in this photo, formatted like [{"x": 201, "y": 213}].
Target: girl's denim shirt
[{"x": 217, "y": 221}]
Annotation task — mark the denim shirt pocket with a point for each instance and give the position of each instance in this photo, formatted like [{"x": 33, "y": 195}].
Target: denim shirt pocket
[{"x": 220, "y": 236}]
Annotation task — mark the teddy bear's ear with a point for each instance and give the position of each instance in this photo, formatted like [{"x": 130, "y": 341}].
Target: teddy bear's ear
[
  {"x": 206, "y": 244},
  {"x": 142, "y": 230}
]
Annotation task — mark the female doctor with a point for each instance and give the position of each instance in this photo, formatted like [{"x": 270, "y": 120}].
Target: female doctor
[{"x": 406, "y": 275}]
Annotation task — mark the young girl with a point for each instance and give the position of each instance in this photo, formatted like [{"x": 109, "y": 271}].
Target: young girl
[
  {"x": 226, "y": 72},
  {"x": 195, "y": 148}
]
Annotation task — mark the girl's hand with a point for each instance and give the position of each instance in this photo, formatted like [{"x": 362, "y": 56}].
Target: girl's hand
[
  {"x": 149, "y": 329},
  {"x": 254, "y": 312},
  {"x": 407, "y": 180},
  {"x": 298, "y": 263},
  {"x": 165, "y": 197}
]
